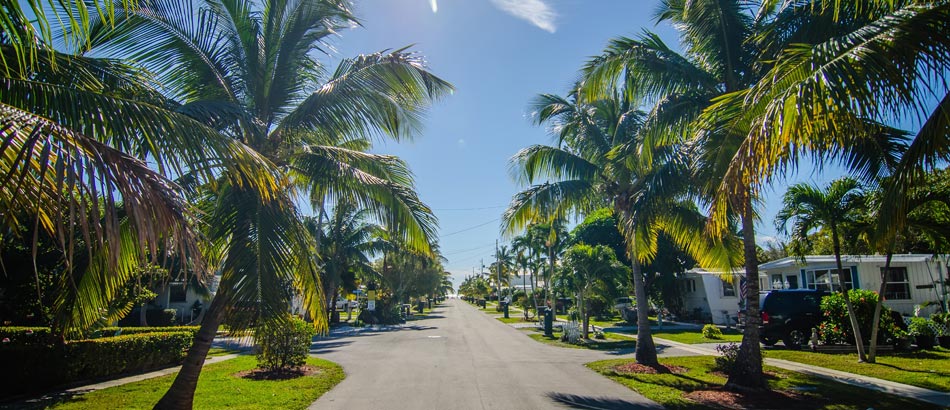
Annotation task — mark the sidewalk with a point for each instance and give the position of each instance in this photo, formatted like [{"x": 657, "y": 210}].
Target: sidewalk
[{"x": 867, "y": 382}]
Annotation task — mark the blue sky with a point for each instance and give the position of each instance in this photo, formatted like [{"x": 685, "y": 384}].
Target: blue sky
[{"x": 498, "y": 54}]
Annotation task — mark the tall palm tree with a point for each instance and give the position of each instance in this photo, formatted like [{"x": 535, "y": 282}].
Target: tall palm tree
[
  {"x": 591, "y": 266},
  {"x": 588, "y": 172},
  {"x": 347, "y": 242},
  {"x": 729, "y": 47},
  {"x": 249, "y": 69},
  {"x": 79, "y": 134},
  {"x": 810, "y": 207}
]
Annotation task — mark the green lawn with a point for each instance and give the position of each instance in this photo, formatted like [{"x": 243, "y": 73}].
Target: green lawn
[
  {"x": 696, "y": 336},
  {"x": 816, "y": 393},
  {"x": 515, "y": 319},
  {"x": 927, "y": 369},
  {"x": 612, "y": 342},
  {"x": 218, "y": 388}
]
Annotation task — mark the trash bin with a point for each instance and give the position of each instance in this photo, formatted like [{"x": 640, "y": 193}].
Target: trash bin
[
  {"x": 504, "y": 306},
  {"x": 548, "y": 322},
  {"x": 420, "y": 306}
]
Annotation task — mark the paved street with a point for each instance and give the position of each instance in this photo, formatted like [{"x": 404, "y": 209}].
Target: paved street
[{"x": 460, "y": 358}]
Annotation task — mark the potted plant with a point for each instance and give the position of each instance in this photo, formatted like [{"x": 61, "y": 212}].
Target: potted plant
[
  {"x": 923, "y": 332},
  {"x": 902, "y": 340},
  {"x": 942, "y": 320}
]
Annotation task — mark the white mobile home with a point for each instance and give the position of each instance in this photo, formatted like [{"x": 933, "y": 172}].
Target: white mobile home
[
  {"x": 707, "y": 297},
  {"x": 913, "y": 279}
]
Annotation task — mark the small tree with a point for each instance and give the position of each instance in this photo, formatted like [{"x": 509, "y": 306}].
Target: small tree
[
  {"x": 592, "y": 267},
  {"x": 283, "y": 344}
]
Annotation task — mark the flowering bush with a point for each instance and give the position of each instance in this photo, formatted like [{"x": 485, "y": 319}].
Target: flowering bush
[
  {"x": 726, "y": 361},
  {"x": 835, "y": 327}
]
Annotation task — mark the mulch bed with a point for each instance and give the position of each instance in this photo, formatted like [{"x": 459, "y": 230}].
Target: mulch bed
[
  {"x": 773, "y": 399},
  {"x": 644, "y": 369},
  {"x": 262, "y": 374}
]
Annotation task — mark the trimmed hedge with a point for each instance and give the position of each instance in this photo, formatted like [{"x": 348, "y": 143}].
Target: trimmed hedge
[
  {"x": 25, "y": 336},
  {"x": 32, "y": 368},
  {"x": 121, "y": 331}
]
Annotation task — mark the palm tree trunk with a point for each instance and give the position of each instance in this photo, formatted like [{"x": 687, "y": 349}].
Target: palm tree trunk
[
  {"x": 143, "y": 316},
  {"x": 547, "y": 283},
  {"x": 585, "y": 315},
  {"x": 747, "y": 371},
  {"x": 876, "y": 320},
  {"x": 858, "y": 340},
  {"x": 646, "y": 350},
  {"x": 181, "y": 394}
]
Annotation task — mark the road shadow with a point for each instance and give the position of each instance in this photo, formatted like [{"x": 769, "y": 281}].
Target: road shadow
[
  {"x": 327, "y": 346},
  {"x": 46, "y": 401},
  {"x": 574, "y": 401}
]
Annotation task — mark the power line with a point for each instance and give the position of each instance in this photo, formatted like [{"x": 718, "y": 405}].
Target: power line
[
  {"x": 471, "y": 227},
  {"x": 468, "y": 250}
]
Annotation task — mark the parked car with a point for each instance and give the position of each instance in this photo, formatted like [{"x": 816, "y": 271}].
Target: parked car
[
  {"x": 787, "y": 315},
  {"x": 341, "y": 304},
  {"x": 627, "y": 309}
]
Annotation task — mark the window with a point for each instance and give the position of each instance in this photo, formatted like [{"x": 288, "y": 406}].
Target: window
[
  {"x": 177, "y": 293},
  {"x": 827, "y": 280},
  {"x": 728, "y": 289},
  {"x": 792, "y": 282},
  {"x": 898, "y": 287}
]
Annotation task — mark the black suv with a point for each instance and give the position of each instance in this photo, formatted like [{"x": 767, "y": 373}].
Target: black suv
[{"x": 788, "y": 315}]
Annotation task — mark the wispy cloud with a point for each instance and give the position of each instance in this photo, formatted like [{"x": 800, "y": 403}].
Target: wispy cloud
[
  {"x": 435, "y": 5},
  {"x": 461, "y": 142},
  {"x": 535, "y": 11}
]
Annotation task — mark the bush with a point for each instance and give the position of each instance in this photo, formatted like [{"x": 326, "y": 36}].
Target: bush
[
  {"x": 921, "y": 327},
  {"x": 942, "y": 320},
  {"x": 835, "y": 328},
  {"x": 712, "y": 331},
  {"x": 25, "y": 336},
  {"x": 134, "y": 330},
  {"x": 726, "y": 360},
  {"x": 283, "y": 344},
  {"x": 33, "y": 367}
]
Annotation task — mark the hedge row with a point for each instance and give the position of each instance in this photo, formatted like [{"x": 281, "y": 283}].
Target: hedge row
[
  {"x": 119, "y": 331},
  {"x": 31, "y": 368}
]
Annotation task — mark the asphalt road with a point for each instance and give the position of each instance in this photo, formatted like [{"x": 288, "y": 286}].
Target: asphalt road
[{"x": 460, "y": 358}]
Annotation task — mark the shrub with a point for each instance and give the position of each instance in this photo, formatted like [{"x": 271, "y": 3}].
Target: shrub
[
  {"x": 283, "y": 344},
  {"x": 727, "y": 357},
  {"x": 32, "y": 367},
  {"x": 921, "y": 327},
  {"x": 835, "y": 327},
  {"x": 942, "y": 320},
  {"x": 25, "y": 336},
  {"x": 712, "y": 331},
  {"x": 119, "y": 331}
]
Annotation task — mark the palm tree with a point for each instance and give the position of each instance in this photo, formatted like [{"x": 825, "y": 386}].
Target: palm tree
[
  {"x": 502, "y": 267},
  {"x": 347, "y": 241},
  {"x": 79, "y": 134},
  {"x": 597, "y": 166},
  {"x": 590, "y": 267},
  {"x": 248, "y": 69},
  {"x": 811, "y": 207}
]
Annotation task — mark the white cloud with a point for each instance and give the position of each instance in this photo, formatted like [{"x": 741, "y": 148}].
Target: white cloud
[
  {"x": 535, "y": 11},
  {"x": 461, "y": 142},
  {"x": 435, "y": 5}
]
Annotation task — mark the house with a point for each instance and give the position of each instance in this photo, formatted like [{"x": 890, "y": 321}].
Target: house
[
  {"x": 710, "y": 297},
  {"x": 913, "y": 279},
  {"x": 184, "y": 297}
]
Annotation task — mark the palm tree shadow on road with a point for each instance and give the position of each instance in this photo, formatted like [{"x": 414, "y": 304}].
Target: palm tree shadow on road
[{"x": 574, "y": 401}]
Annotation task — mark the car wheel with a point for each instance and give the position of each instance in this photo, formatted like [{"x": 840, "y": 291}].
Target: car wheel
[
  {"x": 769, "y": 341},
  {"x": 795, "y": 339}
]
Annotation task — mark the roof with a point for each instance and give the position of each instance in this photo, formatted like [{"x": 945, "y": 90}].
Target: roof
[
  {"x": 829, "y": 259},
  {"x": 701, "y": 271}
]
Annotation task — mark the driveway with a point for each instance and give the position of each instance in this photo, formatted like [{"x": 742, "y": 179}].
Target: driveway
[{"x": 460, "y": 358}]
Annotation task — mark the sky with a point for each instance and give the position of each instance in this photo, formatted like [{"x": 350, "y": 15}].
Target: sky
[{"x": 499, "y": 54}]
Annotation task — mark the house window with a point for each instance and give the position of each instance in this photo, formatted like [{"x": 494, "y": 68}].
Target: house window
[
  {"x": 776, "y": 282},
  {"x": 827, "y": 280},
  {"x": 728, "y": 289},
  {"x": 898, "y": 287},
  {"x": 177, "y": 293}
]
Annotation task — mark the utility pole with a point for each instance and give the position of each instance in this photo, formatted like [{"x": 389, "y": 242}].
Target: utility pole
[{"x": 498, "y": 269}]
